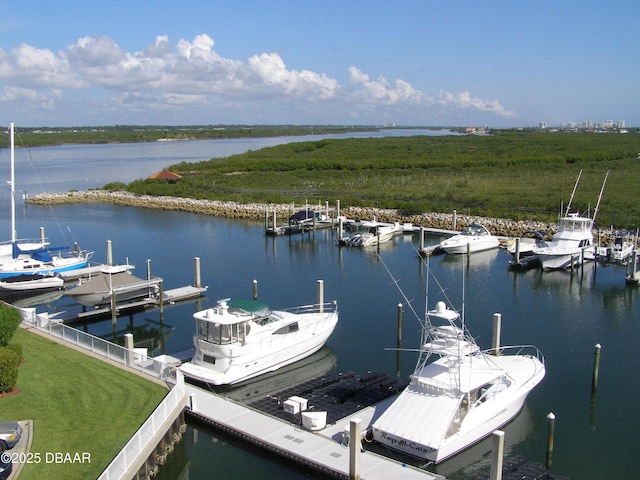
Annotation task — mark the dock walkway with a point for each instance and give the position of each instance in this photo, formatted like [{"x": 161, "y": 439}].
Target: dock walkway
[{"x": 292, "y": 441}]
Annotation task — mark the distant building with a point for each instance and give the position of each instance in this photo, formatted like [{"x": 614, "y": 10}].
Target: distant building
[{"x": 166, "y": 175}]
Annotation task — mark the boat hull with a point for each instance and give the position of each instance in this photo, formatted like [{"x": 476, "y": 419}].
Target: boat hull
[
  {"x": 470, "y": 246},
  {"x": 9, "y": 270},
  {"x": 557, "y": 260}
]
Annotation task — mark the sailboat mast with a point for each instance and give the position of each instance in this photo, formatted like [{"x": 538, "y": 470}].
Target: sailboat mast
[{"x": 13, "y": 188}]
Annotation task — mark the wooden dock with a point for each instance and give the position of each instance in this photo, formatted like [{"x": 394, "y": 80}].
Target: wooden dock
[
  {"x": 321, "y": 452},
  {"x": 169, "y": 297}
]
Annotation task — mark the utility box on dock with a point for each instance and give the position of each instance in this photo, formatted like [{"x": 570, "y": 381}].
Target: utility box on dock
[{"x": 295, "y": 405}]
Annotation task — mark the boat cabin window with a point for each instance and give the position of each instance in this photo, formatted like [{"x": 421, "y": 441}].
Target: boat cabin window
[
  {"x": 292, "y": 327},
  {"x": 223, "y": 334}
]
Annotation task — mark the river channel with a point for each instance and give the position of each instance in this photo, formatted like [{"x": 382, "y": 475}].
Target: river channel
[{"x": 565, "y": 315}]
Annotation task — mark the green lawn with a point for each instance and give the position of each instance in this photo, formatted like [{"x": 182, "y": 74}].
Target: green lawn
[{"x": 78, "y": 404}]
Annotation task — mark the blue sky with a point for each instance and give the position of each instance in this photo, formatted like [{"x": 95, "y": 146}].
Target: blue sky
[{"x": 494, "y": 63}]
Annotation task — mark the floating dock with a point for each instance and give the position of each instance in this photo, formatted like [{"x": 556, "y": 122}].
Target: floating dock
[{"x": 325, "y": 451}]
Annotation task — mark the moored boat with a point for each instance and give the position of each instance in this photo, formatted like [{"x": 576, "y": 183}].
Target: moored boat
[
  {"x": 473, "y": 238},
  {"x": 573, "y": 243},
  {"x": 20, "y": 285},
  {"x": 240, "y": 339},
  {"x": 373, "y": 233},
  {"x": 117, "y": 281},
  {"x": 462, "y": 396}
]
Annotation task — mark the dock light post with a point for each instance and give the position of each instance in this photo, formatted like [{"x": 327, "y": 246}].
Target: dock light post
[{"x": 255, "y": 289}]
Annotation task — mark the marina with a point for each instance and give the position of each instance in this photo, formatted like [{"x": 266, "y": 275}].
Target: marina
[{"x": 563, "y": 313}]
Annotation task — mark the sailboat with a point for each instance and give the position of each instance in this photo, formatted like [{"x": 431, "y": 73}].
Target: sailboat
[
  {"x": 35, "y": 257},
  {"x": 462, "y": 396}
]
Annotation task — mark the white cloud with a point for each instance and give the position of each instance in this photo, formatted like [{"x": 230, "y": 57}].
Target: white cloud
[
  {"x": 464, "y": 100},
  {"x": 192, "y": 75},
  {"x": 380, "y": 90}
]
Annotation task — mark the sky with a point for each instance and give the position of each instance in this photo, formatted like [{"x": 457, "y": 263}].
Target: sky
[{"x": 498, "y": 64}]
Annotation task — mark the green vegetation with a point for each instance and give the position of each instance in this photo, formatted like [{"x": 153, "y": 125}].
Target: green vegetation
[
  {"x": 78, "y": 404},
  {"x": 35, "y": 137},
  {"x": 520, "y": 175}
]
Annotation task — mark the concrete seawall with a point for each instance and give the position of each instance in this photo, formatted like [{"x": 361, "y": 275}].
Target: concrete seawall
[{"x": 499, "y": 227}]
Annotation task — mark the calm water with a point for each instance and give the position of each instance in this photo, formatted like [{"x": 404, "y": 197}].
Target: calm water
[{"x": 564, "y": 315}]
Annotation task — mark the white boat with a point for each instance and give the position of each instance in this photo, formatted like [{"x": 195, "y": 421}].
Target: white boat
[
  {"x": 473, "y": 238},
  {"x": 374, "y": 233},
  {"x": 573, "y": 242},
  {"x": 240, "y": 339},
  {"x": 116, "y": 280},
  {"x": 30, "y": 284},
  {"x": 34, "y": 257},
  {"x": 622, "y": 248},
  {"x": 462, "y": 396}
]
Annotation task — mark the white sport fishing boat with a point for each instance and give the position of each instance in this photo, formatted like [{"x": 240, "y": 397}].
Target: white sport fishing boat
[
  {"x": 462, "y": 396},
  {"x": 473, "y": 238},
  {"x": 573, "y": 242},
  {"x": 240, "y": 339}
]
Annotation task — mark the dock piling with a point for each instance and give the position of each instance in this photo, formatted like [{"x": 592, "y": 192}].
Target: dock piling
[
  {"x": 196, "y": 261},
  {"x": 399, "y": 338},
  {"x": 596, "y": 368},
  {"x": 255, "y": 289},
  {"x": 497, "y": 325},
  {"x": 551, "y": 421},
  {"x": 129, "y": 345},
  {"x": 109, "y": 253},
  {"x": 321, "y": 295},
  {"x": 355, "y": 446},
  {"x": 497, "y": 454}
]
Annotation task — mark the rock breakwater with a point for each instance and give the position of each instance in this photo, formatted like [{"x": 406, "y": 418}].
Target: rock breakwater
[{"x": 497, "y": 226}]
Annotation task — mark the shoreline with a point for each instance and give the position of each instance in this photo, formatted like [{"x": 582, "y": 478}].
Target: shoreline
[{"x": 260, "y": 211}]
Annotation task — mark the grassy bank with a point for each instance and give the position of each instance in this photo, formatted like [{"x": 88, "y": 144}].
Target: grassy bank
[
  {"x": 78, "y": 404},
  {"x": 514, "y": 175}
]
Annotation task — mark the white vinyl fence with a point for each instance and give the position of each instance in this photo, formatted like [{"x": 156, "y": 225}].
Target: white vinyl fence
[{"x": 137, "y": 450}]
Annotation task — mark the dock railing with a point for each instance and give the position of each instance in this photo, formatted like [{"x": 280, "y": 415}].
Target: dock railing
[
  {"x": 98, "y": 346},
  {"x": 131, "y": 458},
  {"x": 135, "y": 453}
]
